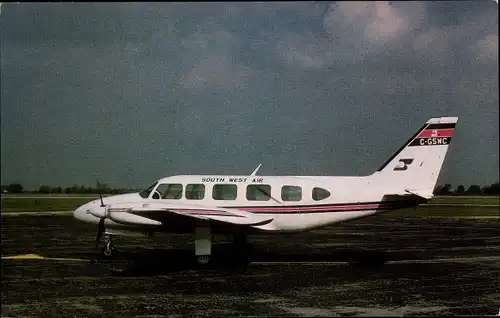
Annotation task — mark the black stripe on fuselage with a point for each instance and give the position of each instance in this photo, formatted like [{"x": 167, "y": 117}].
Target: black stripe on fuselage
[
  {"x": 319, "y": 205},
  {"x": 385, "y": 205},
  {"x": 354, "y": 210},
  {"x": 403, "y": 147}
]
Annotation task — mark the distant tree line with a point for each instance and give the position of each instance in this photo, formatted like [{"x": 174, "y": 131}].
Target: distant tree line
[
  {"x": 76, "y": 189},
  {"x": 493, "y": 189}
]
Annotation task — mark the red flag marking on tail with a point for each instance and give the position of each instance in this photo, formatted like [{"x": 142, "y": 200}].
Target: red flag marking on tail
[{"x": 429, "y": 133}]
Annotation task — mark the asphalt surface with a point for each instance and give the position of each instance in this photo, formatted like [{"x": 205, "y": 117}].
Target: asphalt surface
[{"x": 376, "y": 266}]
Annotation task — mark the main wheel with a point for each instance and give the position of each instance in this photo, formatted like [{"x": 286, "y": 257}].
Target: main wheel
[{"x": 203, "y": 260}]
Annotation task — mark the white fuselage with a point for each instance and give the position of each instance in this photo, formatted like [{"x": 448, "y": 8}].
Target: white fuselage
[{"x": 340, "y": 199}]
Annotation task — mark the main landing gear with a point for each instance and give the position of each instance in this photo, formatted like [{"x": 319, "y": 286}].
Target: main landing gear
[
  {"x": 239, "y": 254},
  {"x": 203, "y": 244},
  {"x": 109, "y": 250}
]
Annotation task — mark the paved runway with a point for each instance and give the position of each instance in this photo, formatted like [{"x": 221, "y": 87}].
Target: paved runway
[{"x": 432, "y": 267}]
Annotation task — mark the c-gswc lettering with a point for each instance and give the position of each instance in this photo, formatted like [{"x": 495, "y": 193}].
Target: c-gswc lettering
[{"x": 434, "y": 141}]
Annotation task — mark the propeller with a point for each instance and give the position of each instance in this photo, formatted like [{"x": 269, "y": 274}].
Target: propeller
[
  {"x": 100, "y": 230},
  {"x": 100, "y": 226}
]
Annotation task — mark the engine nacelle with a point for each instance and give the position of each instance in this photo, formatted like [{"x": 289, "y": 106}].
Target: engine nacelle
[{"x": 124, "y": 217}]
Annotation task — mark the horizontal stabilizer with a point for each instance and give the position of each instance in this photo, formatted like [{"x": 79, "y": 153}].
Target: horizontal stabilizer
[{"x": 426, "y": 194}]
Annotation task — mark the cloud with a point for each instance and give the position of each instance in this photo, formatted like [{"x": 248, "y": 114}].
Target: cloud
[
  {"x": 208, "y": 60},
  {"x": 403, "y": 32},
  {"x": 353, "y": 32},
  {"x": 303, "y": 51},
  {"x": 216, "y": 72},
  {"x": 208, "y": 88},
  {"x": 431, "y": 46},
  {"x": 373, "y": 24},
  {"x": 486, "y": 49}
]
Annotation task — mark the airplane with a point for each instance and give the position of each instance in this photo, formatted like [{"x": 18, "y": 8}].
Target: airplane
[{"x": 207, "y": 205}]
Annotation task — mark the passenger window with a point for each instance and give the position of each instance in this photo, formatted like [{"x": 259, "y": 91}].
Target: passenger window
[
  {"x": 320, "y": 194},
  {"x": 224, "y": 192},
  {"x": 169, "y": 191},
  {"x": 291, "y": 193},
  {"x": 258, "y": 192},
  {"x": 195, "y": 191}
]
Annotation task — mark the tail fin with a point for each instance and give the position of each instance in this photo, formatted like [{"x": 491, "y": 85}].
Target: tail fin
[{"x": 415, "y": 167}]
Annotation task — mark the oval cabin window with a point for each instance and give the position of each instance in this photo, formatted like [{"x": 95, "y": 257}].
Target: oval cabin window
[{"x": 320, "y": 194}]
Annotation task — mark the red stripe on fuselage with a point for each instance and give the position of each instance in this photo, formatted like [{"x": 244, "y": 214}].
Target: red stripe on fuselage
[
  {"x": 429, "y": 133},
  {"x": 305, "y": 209},
  {"x": 206, "y": 212},
  {"x": 326, "y": 208}
]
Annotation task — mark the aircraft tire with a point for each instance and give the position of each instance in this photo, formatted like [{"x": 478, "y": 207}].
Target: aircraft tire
[{"x": 203, "y": 260}]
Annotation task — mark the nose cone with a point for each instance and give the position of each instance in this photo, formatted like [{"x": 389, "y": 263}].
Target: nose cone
[
  {"x": 83, "y": 213},
  {"x": 79, "y": 213}
]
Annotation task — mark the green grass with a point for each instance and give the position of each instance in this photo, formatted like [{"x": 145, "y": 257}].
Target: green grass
[
  {"x": 466, "y": 200},
  {"x": 447, "y": 211},
  {"x": 55, "y": 195},
  {"x": 42, "y": 204},
  {"x": 448, "y": 206}
]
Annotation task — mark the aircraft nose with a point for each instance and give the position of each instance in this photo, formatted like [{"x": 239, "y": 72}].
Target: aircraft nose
[
  {"x": 82, "y": 213},
  {"x": 76, "y": 213}
]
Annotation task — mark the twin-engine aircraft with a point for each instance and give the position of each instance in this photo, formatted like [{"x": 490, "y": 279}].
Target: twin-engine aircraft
[{"x": 239, "y": 205}]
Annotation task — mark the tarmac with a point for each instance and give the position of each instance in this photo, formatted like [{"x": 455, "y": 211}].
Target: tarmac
[{"x": 378, "y": 266}]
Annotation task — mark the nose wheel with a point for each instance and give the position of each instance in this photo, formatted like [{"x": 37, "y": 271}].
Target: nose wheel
[{"x": 109, "y": 250}]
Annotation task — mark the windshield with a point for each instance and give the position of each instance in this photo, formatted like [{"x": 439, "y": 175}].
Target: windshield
[{"x": 145, "y": 193}]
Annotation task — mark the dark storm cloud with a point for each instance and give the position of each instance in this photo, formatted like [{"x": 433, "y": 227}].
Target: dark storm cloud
[{"x": 129, "y": 92}]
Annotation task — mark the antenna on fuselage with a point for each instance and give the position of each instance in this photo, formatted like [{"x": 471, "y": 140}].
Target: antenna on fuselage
[
  {"x": 255, "y": 171},
  {"x": 264, "y": 192}
]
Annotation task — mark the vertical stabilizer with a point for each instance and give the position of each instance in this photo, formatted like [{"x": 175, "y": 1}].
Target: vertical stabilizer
[{"x": 417, "y": 164}]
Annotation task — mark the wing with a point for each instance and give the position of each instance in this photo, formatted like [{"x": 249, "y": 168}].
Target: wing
[{"x": 160, "y": 213}]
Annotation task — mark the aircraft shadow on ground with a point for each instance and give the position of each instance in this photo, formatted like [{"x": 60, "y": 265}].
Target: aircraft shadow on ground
[{"x": 152, "y": 262}]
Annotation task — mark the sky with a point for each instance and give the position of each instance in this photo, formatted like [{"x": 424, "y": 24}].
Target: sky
[{"x": 127, "y": 93}]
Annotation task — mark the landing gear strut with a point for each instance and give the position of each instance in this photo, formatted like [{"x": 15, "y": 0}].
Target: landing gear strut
[
  {"x": 240, "y": 252},
  {"x": 109, "y": 249},
  {"x": 203, "y": 244}
]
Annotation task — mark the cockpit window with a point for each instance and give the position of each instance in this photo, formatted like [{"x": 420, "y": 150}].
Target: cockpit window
[
  {"x": 145, "y": 193},
  {"x": 168, "y": 191}
]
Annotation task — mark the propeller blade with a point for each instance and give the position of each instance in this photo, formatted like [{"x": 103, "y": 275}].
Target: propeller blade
[
  {"x": 100, "y": 230},
  {"x": 100, "y": 196}
]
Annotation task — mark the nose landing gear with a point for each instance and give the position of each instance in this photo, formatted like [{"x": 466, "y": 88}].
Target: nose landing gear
[{"x": 109, "y": 250}]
